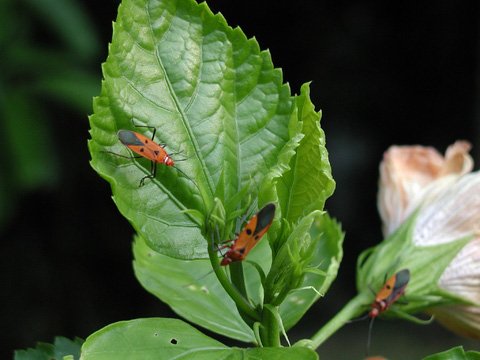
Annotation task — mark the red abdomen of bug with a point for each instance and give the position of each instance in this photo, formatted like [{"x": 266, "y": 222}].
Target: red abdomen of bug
[
  {"x": 378, "y": 306},
  {"x": 168, "y": 161},
  {"x": 232, "y": 255}
]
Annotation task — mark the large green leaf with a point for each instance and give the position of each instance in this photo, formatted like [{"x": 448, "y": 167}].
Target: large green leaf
[
  {"x": 159, "y": 338},
  {"x": 211, "y": 94},
  {"x": 191, "y": 289}
]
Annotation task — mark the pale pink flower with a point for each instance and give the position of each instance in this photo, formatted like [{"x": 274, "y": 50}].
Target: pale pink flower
[
  {"x": 405, "y": 173},
  {"x": 447, "y": 196}
]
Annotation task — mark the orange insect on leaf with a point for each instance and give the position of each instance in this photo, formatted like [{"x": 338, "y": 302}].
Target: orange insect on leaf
[
  {"x": 145, "y": 147},
  {"x": 390, "y": 292},
  {"x": 250, "y": 235}
]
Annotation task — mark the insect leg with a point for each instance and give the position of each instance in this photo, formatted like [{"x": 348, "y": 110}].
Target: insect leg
[
  {"x": 153, "y": 129},
  {"x": 153, "y": 172},
  {"x": 120, "y": 155}
]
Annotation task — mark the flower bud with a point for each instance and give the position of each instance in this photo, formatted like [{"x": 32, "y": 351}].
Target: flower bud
[{"x": 292, "y": 261}]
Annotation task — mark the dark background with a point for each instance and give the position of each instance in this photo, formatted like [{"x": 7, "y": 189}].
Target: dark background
[{"x": 383, "y": 74}]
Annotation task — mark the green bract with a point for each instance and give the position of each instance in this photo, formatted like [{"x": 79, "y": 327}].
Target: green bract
[{"x": 426, "y": 265}]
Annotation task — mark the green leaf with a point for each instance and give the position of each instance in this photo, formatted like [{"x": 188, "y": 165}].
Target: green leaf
[
  {"x": 293, "y": 353},
  {"x": 154, "y": 338},
  {"x": 326, "y": 257},
  {"x": 210, "y": 93},
  {"x": 309, "y": 182},
  {"x": 66, "y": 347},
  {"x": 456, "y": 353},
  {"x": 159, "y": 338},
  {"x": 301, "y": 181},
  {"x": 176, "y": 282},
  {"x": 61, "y": 348}
]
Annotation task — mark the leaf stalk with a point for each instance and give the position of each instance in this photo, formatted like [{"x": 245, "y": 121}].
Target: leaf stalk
[{"x": 242, "y": 304}]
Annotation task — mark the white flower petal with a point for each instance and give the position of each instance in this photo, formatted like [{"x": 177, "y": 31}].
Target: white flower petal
[
  {"x": 463, "y": 320},
  {"x": 462, "y": 276},
  {"x": 449, "y": 212}
]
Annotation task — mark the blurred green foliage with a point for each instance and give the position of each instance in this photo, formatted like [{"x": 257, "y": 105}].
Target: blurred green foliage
[
  {"x": 48, "y": 51},
  {"x": 60, "y": 349}
]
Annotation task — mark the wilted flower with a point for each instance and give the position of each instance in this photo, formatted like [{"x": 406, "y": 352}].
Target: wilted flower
[{"x": 446, "y": 199}]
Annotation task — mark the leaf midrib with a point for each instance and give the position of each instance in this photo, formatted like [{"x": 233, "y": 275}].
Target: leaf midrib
[{"x": 183, "y": 116}]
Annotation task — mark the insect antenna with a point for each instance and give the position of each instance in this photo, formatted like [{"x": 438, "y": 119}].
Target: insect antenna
[
  {"x": 188, "y": 177},
  {"x": 369, "y": 337},
  {"x": 361, "y": 318},
  {"x": 198, "y": 279}
]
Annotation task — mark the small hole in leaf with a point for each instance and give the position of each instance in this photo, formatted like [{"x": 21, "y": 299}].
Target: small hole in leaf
[
  {"x": 155, "y": 334},
  {"x": 173, "y": 341}
]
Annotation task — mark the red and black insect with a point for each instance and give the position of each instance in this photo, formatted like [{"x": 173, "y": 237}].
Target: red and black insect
[
  {"x": 250, "y": 235},
  {"x": 394, "y": 288},
  {"x": 147, "y": 148}
]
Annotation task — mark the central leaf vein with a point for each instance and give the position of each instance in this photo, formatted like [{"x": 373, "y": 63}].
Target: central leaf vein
[{"x": 183, "y": 116}]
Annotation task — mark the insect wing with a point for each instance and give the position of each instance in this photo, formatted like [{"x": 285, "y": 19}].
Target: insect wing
[
  {"x": 256, "y": 227},
  {"x": 401, "y": 280},
  {"x": 394, "y": 287},
  {"x": 142, "y": 145},
  {"x": 264, "y": 220},
  {"x": 129, "y": 138}
]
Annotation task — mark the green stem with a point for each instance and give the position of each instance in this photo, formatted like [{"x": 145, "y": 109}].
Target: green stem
[
  {"x": 350, "y": 311},
  {"x": 242, "y": 304},
  {"x": 270, "y": 328},
  {"x": 237, "y": 277}
]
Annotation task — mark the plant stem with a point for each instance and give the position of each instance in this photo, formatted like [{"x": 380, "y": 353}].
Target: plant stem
[
  {"x": 242, "y": 304},
  {"x": 350, "y": 311},
  {"x": 270, "y": 328},
  {"x": 237, "y": 277}
]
